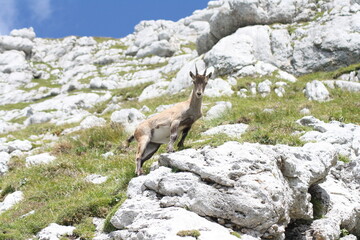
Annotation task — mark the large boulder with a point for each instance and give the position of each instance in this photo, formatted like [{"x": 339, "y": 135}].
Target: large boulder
[
  {"x": 294, "y": 47},
  {"x": 160, "y": 48},
  {"x": 253, "y": 187},
  {"x": 13, "y": 61},
  {"x": 231, "y": 54},
  {"x": 145, "y": 219},
  {"x": 24, "y": 33},
  {"x": 327, "y": 44},
  {"x": 16, "y": 43},
  {"x": 235, "y": 14}
]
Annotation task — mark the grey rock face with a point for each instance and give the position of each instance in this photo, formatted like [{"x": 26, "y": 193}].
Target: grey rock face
[
  {"x": 144, "y": 218},
  {"x": 323, "y": 44},
  {"x": 343, "y": 137},
  {"x": 339, "y": 194},
  {"x": 253, "y": 187},
  {"x": 235, "y": 14}
]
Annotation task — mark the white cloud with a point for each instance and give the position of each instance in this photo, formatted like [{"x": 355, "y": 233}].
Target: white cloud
[
  {"x": 41, "y": 9},
  {"x": 8, "y": 14}
]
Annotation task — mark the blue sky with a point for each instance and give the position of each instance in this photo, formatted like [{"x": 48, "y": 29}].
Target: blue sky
[{"x": 106, "y": 18}]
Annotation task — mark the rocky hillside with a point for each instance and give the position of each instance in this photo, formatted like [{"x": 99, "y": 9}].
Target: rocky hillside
[{"x": 276, "y": 155}]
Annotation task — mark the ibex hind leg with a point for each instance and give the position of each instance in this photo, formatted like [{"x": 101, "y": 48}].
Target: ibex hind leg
[
  {"x": 147, "y": 153},
  {"x": 142, "y": 145}
]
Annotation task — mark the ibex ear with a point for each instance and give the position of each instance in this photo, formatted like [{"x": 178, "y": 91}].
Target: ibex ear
[
  {"x": 192, "y": 75},
  {"x": 209, "y": 75}
]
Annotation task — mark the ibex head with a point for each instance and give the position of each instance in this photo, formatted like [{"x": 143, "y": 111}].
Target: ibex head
[{"x": 200, "y": 81}]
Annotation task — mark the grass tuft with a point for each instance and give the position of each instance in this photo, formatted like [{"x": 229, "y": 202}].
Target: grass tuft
[{"x": 189, "y": 233}]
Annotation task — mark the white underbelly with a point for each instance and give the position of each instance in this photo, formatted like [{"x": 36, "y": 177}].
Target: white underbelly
[{"x": 161, "y": 135}]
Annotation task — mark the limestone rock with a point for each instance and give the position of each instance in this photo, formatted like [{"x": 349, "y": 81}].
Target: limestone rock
[
  {"x": 92, "y": 121},
  {"x": 19, "y": 145},
  {"x": 234, "y": 14},
  {"x": 38, "y": 117},
  {"x": 232, "y": 130},
  {"x": 264, "y": 88},
  {"x": 13, "y": 61},
  {"x": 212, "y": 183},
  {"x": 55, "y": 232},
  {"x": 218, "y": 110},
  {"x": 316, "y": 91},
  {"x": 217, "y": 88},
  {"x": 129, "y": 118},
  {"x": 231, "y": 54},
  {"x": 24, "y": 33},
  {"x": 160, "y": 48},
  {"x": 344, "y": 137},
  {"x": 155, "y": 90},
  {"x": 10, "y": 200},
  {"x": 42, "y": 158},
  {"x": 144, "y": 218},
  {"x": 96, "y": 179},
  {"x": 16, "y": 43},
  {"x": 4, "y": 160},
  {"x": 344, "y": 85}
]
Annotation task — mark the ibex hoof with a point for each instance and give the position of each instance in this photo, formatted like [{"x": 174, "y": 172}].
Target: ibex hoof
[{"x": 139, "y": 172}]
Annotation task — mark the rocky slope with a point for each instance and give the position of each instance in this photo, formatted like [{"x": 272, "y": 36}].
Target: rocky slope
[{"x": 257, "y": 50}]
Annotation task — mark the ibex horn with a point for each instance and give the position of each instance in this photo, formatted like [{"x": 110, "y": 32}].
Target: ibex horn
[
  {"x": 205, "y": 72},
  {"x": 196, "y": 73}
]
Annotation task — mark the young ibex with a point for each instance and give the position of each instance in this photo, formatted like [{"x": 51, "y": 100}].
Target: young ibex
[{"x": 166, "y": 126}]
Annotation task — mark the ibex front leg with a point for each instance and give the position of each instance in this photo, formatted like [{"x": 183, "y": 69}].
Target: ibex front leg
[
  {"x": 184, "y": 134},
  {"x": 173, "y": 135}
]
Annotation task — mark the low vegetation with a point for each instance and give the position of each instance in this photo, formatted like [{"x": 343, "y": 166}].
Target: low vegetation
[
  {"x": 57, "y": 192},
  {"x": 189, "y": 233}
]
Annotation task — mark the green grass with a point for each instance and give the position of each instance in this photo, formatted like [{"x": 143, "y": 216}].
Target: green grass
[
  {"x": 344, "y": 159},
  {"x": 119, "y": 46},
  {"x": 13, "y": 106},
  {"x": 189, "y": 233},
  {"x": 103, "y": 39},
  {"x": 236, "y": 234},
  {"x": 38, "y": 129},
  {"x": 57, "y": 191}
]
